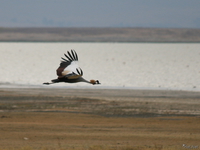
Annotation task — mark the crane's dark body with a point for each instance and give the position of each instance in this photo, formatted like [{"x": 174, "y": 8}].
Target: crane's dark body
[{"x": 80, "y": 79}]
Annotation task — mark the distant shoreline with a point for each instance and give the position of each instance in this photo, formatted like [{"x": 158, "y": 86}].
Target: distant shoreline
[
  {"x": 94, "y": 42},
  {"x": 124, "y": 35}
]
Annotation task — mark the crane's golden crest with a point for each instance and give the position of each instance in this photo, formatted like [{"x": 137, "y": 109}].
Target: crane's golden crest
[{"x": 93, "y": 81}]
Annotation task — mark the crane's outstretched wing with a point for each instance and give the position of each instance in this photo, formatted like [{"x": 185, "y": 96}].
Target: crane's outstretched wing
[{"x": 69, "y": 67}]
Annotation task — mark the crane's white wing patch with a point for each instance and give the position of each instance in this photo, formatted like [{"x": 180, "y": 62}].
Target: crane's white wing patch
[{"x": 71, "y": 69}]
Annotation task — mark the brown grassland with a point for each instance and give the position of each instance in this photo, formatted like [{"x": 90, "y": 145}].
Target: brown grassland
[{"x": 97, "y": 119}]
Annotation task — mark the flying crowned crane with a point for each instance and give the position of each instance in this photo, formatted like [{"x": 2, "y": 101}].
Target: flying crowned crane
[{"x": 69, "y": 71}]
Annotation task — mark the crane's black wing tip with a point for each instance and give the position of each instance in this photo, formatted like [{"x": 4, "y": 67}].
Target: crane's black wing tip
[
  {"x": 74, "y": 54},
  {"x": 79, "y": 72},
  {"x": 71, "y": 56}
]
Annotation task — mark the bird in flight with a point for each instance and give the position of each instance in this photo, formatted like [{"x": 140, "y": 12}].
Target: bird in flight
[{"x": 69, "y": 71}]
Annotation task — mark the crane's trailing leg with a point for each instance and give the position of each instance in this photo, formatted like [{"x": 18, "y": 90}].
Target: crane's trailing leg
[{"x": 52, "y": 81}]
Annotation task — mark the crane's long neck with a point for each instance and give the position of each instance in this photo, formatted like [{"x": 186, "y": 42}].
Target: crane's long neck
[{"x": 81, "y": 79}]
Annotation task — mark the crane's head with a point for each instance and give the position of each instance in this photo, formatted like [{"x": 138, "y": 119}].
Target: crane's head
[{"x": 94, "y": 82}]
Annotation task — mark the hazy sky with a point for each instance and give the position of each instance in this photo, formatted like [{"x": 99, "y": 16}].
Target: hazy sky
[{"x": 100, "y": 13}]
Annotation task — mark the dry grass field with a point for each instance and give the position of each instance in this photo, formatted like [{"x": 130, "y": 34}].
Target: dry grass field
[{"x": 85, "y": 119}]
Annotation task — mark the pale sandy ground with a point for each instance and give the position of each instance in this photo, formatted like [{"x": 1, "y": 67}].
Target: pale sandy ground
[{"x": 122, "y": 65}]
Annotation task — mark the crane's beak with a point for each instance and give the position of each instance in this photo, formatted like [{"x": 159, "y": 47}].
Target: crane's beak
[{"x": 97, "y": 82}]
